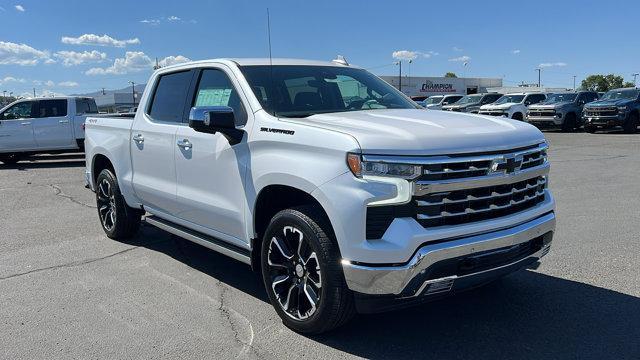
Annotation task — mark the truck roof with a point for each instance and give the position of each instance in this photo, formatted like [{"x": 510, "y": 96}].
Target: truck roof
[{"x": 264, "y": 61}]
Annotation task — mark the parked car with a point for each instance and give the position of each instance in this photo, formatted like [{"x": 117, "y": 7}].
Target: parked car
[
  {"x": 560, "y": 110},
  {"x": 45, "y": 125},
  {"x": 436, "y": 102},
  {"x": 513, "y": 106},
  {"x": 616, "y": 108},
  {"x": 347, "y": 206},
  {"x": 472, "y": 103}
]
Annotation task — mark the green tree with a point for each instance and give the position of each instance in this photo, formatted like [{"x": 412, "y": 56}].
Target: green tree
[
  {"x": 604, "y": 82},
  {"x": 450, "y": 75}
]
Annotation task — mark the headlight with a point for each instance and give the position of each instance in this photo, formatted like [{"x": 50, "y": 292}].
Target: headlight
[
  {"x": 362, "y": 168},
  {"x": 622, "y": 109}
]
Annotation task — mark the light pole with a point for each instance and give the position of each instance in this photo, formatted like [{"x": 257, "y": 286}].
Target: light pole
[
  {"x": 539, "y": 70},
  {"x": 133, "y": 92},
  {"x": 574, "y": 83},
  {"x": 634, "y": 79},
  {"x": 399, "y": 63}
]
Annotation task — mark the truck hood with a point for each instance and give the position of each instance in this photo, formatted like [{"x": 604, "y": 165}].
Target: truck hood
[
  {"x": 619, "y": 102},
  {"x": 550, "y": 106},
  {"x": 419, "y": 132},
  {"x": 497, "y": 107},
  {"x": 461, "y": 106}
]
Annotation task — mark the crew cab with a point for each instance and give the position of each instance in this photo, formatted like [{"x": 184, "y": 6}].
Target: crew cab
[
  {"x": 472, "y": 103},
  {"x": 560, "y": 110},
  {"x": 345, "y": 194},
  {"x": 436, "y": 102},
  {"x": 616, "y": 108},
  {"x": 512, "y": 106},
  {"x": 46, "y": 125}
]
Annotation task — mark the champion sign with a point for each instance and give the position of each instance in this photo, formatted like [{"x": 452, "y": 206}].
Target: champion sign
[{"x": 429, "y": 86}]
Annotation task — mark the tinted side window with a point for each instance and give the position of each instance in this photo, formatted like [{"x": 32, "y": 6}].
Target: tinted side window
[
  {"x": 534, "y": 99},
  {"x": 215, "y": 89},
  {"x": 21, "y": 110},
  {"x": 168, "y": 101},
  {"x": 86, "y": 106},
  {"x": 52, "y": 108}
]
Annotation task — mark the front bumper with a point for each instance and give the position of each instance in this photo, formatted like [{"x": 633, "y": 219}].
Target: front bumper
[
  {"x": 545, "y": 120},
  {"x": 494, "y": 113},
  {"x": 459, "y": 263},
  {"x": 604, "y": 121}
]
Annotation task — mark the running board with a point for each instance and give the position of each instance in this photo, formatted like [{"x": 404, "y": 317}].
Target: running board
[{"x": 207, "y": 241}]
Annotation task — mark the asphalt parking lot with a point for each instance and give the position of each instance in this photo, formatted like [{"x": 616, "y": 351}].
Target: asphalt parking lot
[{"x": 66, "y": 291}]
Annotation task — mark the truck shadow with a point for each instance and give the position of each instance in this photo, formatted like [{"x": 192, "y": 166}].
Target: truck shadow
[
  {"x": 526, "y": 315},
  {"x": 48, "y": 161}
]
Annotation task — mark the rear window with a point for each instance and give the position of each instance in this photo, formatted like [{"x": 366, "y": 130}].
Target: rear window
[
  {"x": 52, "y": 108},
  {"x": 86, "y": 106},
  {"x": 170, "y": 96}
]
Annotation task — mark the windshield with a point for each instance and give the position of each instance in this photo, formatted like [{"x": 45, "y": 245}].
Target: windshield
[
  {"x": 433, "y": 100},
  {"x": 469, "y": 99},
  {"x": 620, "y": 94},
  {"x": 509, "y": 99},
  {"x": 302, "y": 90},
  {"x": 556, "y": 98}
]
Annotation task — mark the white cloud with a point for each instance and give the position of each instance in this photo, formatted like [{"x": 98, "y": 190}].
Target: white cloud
[
  {"x": 412, "y": 55},
  {"x": 135, "y": 61},
  {"x": 515, "y": 51},
  {"x": 98, "y": 40},
  {"x": 173, "y": 60},
  {"x": 20, "y": 8},
  {"x": 71, "y": 58},
  {"x": 173, "y": 18},
  {"x": 10, "y": 79},
  {"x": 20, "y": 54},
  {"x": 464, "y": 58},
  {"x": 68, "y": 84},
  {"x": 49, "y": 83},
  {"x": 554, "y": 64},
  {"x": 150, "y": 21},
  {"x": 455, "y": 48}
]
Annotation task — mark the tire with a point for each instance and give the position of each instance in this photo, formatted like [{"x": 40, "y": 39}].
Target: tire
[
  {"x": 10, "y": 159},
  {"x": 570, "y": 124},
  {"x": 631, "y": 125},
  {"x": 118, "y": 220},
  {"x": 517, "y": 116},
  {"x": 301, "y": 264},
  {"x": 590, "y": 129}
]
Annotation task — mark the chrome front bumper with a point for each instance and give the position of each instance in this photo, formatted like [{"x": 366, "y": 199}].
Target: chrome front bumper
[{"x": 412, "y": 279}]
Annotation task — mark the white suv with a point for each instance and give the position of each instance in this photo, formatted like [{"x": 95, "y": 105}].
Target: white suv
[{"x": 513, "y": 106}]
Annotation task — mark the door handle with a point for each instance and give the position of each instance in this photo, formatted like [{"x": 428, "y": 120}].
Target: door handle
[
  {"x": 138, "y": 138},
  {"x": 63, "y": 121},
  {"x": 25, "y": 123},
  {"x": 184, "y": 144}
]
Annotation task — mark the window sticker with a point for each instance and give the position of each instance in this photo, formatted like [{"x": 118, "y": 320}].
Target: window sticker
[{"x": 213, "y": 97}]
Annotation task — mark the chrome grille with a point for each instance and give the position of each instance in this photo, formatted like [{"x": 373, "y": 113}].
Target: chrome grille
[
  {"x": 601, "y": 111},
  {"x": 542, "y": 112},
  {"x": 476, "y": 204}
]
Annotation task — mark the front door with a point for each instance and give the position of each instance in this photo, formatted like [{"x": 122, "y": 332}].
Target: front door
[
  {"x": 52, "y": 125},
  {"x": 153, "y": 142},
  {"x": 16, "y": 128},
  {"x": 210, "y": 172}
]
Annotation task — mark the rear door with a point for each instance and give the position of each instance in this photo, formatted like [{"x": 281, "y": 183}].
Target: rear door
[
  {"x": 209, "y": 170},
  {"x": 52, "y": 125},
  {"x": 153, "y": 141},
  {"x": 16, "y": 127}
]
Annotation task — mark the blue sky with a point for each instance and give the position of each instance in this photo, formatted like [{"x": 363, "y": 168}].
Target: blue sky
[{"x": 60, "y": 47}]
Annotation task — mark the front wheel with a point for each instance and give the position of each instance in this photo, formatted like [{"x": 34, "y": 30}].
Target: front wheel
[
  {"x": 570, "y": 123},
  {"x": 10, "y": 159},
  {"x": 302, "y": 272},
  {"x": 631, "y": 125},
  {"x": 517, "y": 116},
  {"x": 118, "y": 220}
]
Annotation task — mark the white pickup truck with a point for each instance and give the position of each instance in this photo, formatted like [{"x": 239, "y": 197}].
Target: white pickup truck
[
  {"x": 337, "y": 187},
  {"x": 44, "y": 125},
  {"x": 513, "y": 106}
]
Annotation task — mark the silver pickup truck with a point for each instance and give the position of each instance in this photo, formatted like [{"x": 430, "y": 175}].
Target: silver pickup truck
[{"x": 560, "y": 110}]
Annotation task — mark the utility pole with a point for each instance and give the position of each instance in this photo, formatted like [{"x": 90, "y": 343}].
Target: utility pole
[
  {"x": 634, "y": 79},
  {"x": 34, "y": 92},
  {"x": 133, "y": 92},
  {"x": 539, "y": 70},
  {"x": 574, "y": 83},
  {"x": 4, "y": 96},
  {"x": 400, "y": 75},
  {"x": 103, "y": 92}
]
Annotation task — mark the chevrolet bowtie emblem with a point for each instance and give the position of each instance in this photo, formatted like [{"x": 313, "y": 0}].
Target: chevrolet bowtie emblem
[{"x": 506, "y": 164}]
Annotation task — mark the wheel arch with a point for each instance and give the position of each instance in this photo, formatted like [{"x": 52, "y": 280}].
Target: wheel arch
[{"x": 100, "y": 162}]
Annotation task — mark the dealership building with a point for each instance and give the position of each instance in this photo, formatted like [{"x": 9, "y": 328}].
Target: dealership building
[{"x": 429, "y": 86}]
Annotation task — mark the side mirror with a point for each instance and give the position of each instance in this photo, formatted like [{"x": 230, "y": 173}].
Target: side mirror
[{"x": 214, "y": 119}]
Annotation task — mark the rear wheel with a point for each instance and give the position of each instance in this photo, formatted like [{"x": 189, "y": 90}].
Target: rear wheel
[
  {"x": 118, "y": 220},
  {"x": 302, "y": 272},
  {"x": 631, "y": 125},
  {"x": 10, "y": 159},
  {"x": 570, "y": 123}
]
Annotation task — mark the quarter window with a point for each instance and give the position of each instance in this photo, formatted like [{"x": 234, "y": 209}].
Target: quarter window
[
  {"x": 52, "y": 108},
  {"x": 215, "y": 89},
  {"x": 168, "y": 102},
  {"x": 86, "y": 106}
]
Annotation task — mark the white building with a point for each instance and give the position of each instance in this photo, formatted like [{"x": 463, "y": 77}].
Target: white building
[{"x": 428, "y": 86}]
